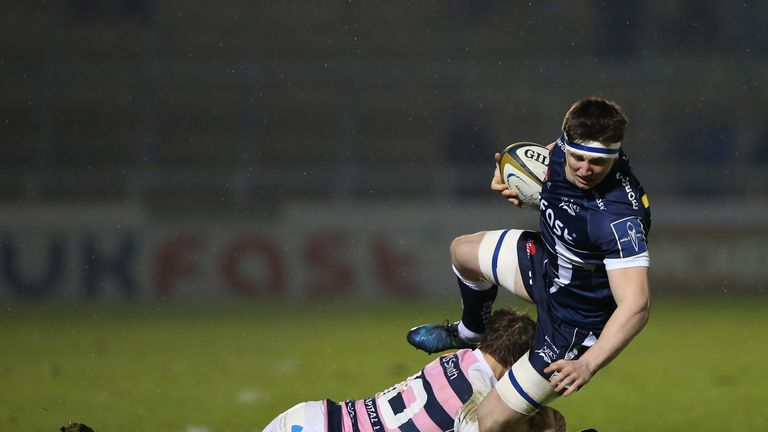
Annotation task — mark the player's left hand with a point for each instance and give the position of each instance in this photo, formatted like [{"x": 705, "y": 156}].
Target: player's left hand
[
  {"x": 500, "y": 186},
  {"x": 571, "y": 375}
]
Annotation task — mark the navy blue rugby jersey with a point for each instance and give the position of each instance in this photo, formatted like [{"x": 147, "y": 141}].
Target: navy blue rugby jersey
[{"x": 588, "y": 232}]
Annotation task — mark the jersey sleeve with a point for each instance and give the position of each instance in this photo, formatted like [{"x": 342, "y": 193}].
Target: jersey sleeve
[{"x": 623, "y": 242}]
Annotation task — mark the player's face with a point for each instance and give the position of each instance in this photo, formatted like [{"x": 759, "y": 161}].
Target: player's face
[{"x": 586, "y": 171}]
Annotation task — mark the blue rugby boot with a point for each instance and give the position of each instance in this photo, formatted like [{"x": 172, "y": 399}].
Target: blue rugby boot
[{"x": 433, "y": 338}]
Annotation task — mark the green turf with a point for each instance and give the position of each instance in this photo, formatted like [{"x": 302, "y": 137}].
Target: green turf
[{"x": 696, "y": 366}]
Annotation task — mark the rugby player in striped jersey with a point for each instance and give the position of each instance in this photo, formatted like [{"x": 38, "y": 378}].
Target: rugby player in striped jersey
[{"x": 443, "y": 396}]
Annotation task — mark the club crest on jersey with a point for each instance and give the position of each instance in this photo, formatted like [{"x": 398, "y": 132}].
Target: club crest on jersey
[
  {"x": 630, "y": 236},
  {"x": 568, "y": 205}
]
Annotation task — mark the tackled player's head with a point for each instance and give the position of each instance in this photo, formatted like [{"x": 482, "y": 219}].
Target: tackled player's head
[
  {"x": 508, "y": 335},
  {"x": 595, "y": 119}
]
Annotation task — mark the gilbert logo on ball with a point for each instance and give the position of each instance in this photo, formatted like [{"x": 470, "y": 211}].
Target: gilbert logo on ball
[{"x": 523, "y": 166}]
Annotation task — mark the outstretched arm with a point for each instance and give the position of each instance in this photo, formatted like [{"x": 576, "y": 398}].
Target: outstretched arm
[
  {"x": 496, "y": 416},
  {"x": 631, "y": 291}
]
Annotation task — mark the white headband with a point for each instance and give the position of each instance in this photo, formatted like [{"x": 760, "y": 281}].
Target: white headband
[{"x": 592, "y": 148}]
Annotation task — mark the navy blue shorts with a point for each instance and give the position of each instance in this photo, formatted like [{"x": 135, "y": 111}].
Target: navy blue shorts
[{"x": 554, "y": 339}]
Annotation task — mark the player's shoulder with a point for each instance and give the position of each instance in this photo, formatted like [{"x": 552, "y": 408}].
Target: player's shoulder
[
  {"x": 621, "y": 194},
  {"x": 623, "y": 212},
  {"x": 556, "y": 150}
]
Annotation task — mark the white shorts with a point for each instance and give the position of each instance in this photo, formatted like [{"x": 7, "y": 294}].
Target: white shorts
[
  {"x": 304, "y": 417},
  {"x": 523, "y": 389}
]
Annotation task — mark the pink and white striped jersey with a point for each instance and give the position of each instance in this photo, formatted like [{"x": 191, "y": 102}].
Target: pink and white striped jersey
[{"x": 441, "y": 397}]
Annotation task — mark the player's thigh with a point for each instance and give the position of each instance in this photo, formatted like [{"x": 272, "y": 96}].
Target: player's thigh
[
  {"x": 522, "y": 389},
  {"x": 306, "y": 417},
  {"x": 498, "y": 260}
]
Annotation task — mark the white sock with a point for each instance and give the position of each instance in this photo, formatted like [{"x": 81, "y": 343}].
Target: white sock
[
  {"x": 475, "y": 285},
  {"x": 468, "y": 335}
]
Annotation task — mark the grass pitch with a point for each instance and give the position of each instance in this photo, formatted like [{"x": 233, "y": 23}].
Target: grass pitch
[{"x": 696, "y": 366}]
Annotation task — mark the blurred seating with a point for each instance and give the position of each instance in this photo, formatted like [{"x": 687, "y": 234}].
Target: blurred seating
[{"x": 249, "y": 103}]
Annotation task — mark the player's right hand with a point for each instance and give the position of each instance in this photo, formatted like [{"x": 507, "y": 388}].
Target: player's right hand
[{"x": 499, "y": 185}]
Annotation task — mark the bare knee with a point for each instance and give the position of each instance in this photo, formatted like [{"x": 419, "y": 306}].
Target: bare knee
[{"x": 464, "y": 255}]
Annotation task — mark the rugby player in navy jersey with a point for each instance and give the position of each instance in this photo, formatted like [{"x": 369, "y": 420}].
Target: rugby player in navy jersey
[{"x": 586, "y": 270}]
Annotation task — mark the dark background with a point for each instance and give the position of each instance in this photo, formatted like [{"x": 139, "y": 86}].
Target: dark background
[{"x": 180, "y": 104}]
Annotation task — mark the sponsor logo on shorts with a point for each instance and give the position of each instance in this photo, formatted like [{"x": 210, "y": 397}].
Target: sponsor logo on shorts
[
  {"x": 546, "y": 354},
  {"x": 549, "y": 351},
  {"x": 530, "y": 248}
]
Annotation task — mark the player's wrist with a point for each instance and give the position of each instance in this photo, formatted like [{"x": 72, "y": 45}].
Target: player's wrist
[{"x": 591, "y": 363}]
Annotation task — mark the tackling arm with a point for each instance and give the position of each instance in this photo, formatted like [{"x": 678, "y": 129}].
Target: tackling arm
[
  {"x": 495, "y": 415},
  {"x": 631, "y": 291}
]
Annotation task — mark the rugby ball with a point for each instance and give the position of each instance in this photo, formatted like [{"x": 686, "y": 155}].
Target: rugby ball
[{"x": 523, "y": 166}]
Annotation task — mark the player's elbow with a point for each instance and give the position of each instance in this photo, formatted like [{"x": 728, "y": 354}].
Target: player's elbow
[
  {"x": 645, "y": 312},
  {"x": 644, "y": 302},
  {"x": 642, "y": 310}
]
